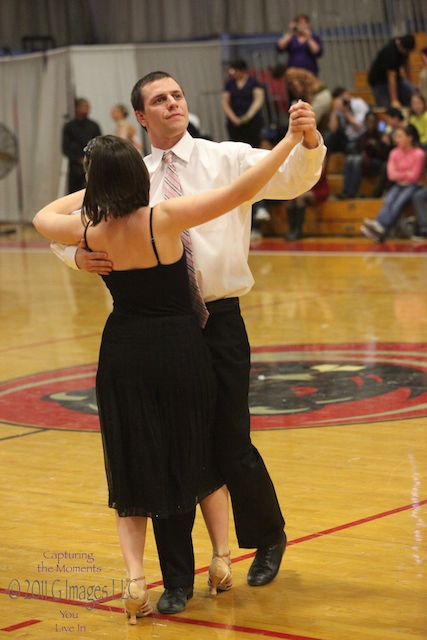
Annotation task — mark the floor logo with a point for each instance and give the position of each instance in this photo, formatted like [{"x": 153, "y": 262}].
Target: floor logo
[
  {"x": 61, "y": 399},
  {"x": 327, "y": 385},
  {"x": 291, "y": 387}
]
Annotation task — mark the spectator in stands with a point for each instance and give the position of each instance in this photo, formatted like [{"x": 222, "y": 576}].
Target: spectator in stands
[
  {"x": 419, "y": 200},
  {"x": 304, "y": 85},
  {"x": 346, "y": 121},
  {"x": 422, "y": 78},
  {"x": 242, "y": 101},
  {"x": 393, "y": 119},
  {"x": 261, "y": 211},
  {"x": 75, "y": 135},
  {"x": 124, "y": 129},
  {"x": 389, "y": 86},
  {"x": 370, "y": 157},
  {"x": 295, "y": 209},
  {"x": 194, "y": 126},
  {"x": 406, "y": 169},
  {"x": 418, "y": 117},
  {"x": 302, "y": 45}
]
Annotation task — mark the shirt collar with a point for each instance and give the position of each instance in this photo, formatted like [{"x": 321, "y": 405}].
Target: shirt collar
[{"x": 182, "y": 150}]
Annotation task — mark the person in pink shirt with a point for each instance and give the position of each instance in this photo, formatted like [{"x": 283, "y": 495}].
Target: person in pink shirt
[{"x": 406, "y": 169}]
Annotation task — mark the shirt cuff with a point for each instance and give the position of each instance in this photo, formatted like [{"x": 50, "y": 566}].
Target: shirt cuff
[{"x": 66, "y": 253}]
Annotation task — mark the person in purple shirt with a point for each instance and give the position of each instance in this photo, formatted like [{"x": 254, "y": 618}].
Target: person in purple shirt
[
  {"x": 302, "y": 45},
  {"x": 242, "y": 101}
]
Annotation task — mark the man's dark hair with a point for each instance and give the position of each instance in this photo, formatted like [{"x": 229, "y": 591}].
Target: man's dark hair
[
  {"x": 80, "y": 101},
  {"x": 338, "y": 91},
  {"x": 136, "y": 97},
  {"x": 407, "y": 42},
  {"x": 394, "y": 112}
]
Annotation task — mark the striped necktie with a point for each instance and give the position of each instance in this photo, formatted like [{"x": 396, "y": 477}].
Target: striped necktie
[{"x": 172, "y": 189}]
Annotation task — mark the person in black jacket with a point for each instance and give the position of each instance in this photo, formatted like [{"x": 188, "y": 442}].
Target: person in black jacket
[
  {"x": 75, "y": 136},
  {"x": 389, "y": 87}
]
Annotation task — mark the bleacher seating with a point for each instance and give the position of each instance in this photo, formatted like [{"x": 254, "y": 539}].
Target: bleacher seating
[{"x": 344, "y": 217}]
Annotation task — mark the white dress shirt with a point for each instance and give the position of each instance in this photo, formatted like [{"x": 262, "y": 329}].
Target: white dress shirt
[
  {"x": 359, "y": 109},
  {"x": 221, "y": 246}
]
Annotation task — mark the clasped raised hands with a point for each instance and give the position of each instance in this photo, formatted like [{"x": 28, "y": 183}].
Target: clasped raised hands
[{"x": 302, "y": 124}]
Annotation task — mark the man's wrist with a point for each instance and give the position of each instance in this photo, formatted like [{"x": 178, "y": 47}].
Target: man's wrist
[{"x": 312, "y": 141}]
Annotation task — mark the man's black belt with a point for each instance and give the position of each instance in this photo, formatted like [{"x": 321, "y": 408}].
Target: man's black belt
[{"x": 224, "y": 304}]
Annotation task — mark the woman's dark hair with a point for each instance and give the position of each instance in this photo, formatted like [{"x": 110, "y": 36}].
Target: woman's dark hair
[
  {"x": 412, "y": 131},
  {"x": 238, "y": 64},
  {"x": 371, "y": 114},
  {"x": 118, "y": 180}
]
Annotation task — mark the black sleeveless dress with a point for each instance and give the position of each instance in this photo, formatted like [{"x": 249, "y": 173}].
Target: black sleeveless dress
[{"x": 156, "y": 394}]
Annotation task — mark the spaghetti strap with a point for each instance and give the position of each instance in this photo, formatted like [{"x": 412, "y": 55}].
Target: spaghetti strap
[
  {"x": 152, "y": 237},
  {"x": 85, "y": 238}
]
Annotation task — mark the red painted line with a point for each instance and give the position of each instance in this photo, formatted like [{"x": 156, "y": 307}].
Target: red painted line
[
  {"x": 356, "y": 523},
  {"x": 45, "y": 343},
  {"x": 336, "y": 246},
  {"x": 234, "y": 627},
  {"x": 14, "y": 627},
  {"x": 215, "y": 625},
  {"x": 12, "y": 593},
  {"x": 158, "y": 616},
  {"x": 341, "y": 527}
]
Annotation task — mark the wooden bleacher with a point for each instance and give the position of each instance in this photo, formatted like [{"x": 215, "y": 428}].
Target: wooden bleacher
[{"x": 344, "y": 217}]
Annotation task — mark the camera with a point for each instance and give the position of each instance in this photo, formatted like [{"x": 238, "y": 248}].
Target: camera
[{"x": 346, "y": 102}]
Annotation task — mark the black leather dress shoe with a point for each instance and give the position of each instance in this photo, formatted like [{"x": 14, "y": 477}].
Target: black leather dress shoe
[
  {"x": 174, "y": 600},
  {"x": 266, "y": 563}
]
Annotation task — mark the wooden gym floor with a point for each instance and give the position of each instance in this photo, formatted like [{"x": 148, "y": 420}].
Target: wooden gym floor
[{"x": 338, "y": 329}]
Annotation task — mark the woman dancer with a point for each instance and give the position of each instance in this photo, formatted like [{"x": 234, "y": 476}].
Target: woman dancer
[{"x": 155, "y": 385}]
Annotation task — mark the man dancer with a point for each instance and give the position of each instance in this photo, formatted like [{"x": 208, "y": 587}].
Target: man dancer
[{"x": 220, "y": 252}]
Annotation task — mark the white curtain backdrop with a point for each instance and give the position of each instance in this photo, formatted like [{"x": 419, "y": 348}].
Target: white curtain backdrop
[
  {"x": 37, "y": 98},
  {"x": 33, "y": 90},
  {"x": 105, "y": 76}
]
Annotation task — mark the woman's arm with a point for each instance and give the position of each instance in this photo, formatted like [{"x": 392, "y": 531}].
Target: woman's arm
[
  {"x": 392, "y": 87},
  {"x": 283, "y": 42},
  {"x": 313, "y": 44},
  {"x": 417, "y": 169},
  {"x": 225, "y": 101},
  {"x": 185, "y": 212},
  {"x": 406, "y": 172},
  {"x": 55, "y": 222}
]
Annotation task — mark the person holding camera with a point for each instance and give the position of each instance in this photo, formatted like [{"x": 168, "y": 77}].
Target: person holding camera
[
  {"x": 346, "y": 121},
  {"x": 302, "y": 45}
]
